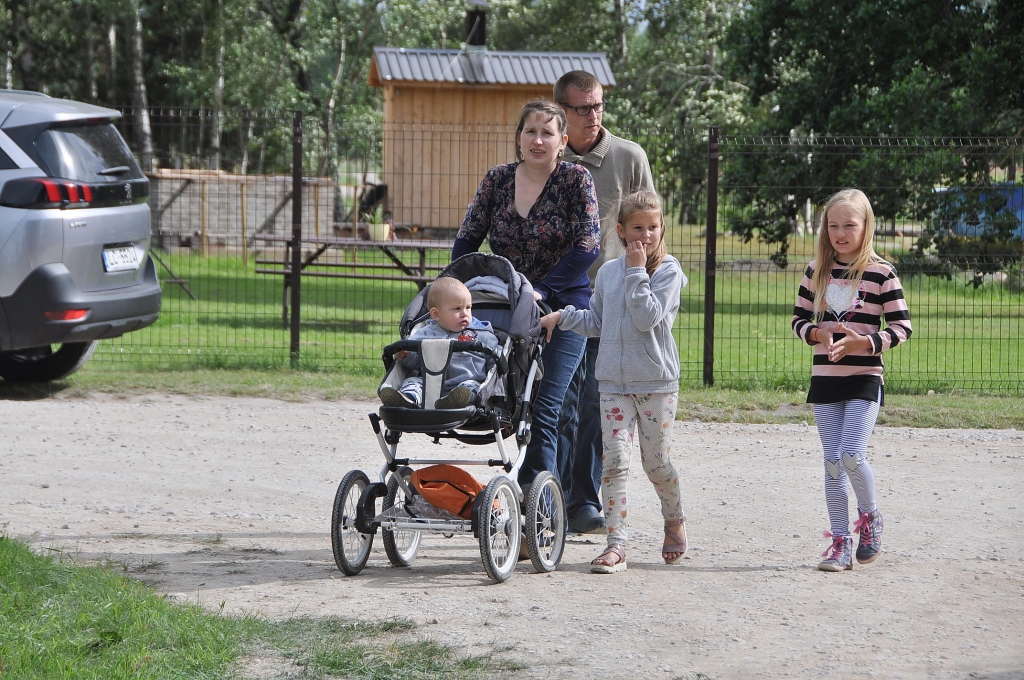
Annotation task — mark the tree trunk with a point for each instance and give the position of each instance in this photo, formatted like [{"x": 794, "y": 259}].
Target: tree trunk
[
  {"x": 9, "y": 69},
  {"x": 246, "y": 140},
  {"x": 331, "y": 105},
  {"x": 25, "y": 57},
  {"x": 112, "y": 63},
  {"x": 619, "y": 11},
  {"x": 90, "y": 55},
  {"x": 218, "y": 91},
  {"x": 291, "y": 26},
  {"x": 143, "y": 130}
]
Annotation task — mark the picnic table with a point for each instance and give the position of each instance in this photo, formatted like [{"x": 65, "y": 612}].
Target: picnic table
[{"x": 406, "y": 260}]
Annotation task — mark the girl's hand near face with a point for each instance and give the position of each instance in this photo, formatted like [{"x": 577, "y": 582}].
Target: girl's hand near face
[
  {"x": 852, "y": 342},
  {"x": 636, "y": 254}
]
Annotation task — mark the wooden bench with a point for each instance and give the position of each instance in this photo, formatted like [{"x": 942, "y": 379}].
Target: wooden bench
[{"x": 396, "y": 269}]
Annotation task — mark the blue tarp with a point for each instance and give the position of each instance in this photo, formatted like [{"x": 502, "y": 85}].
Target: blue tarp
[{"x": 969, "y": 213}]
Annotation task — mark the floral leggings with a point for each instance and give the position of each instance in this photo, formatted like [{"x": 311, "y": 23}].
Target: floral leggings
[{"x": 652, "y": 415}]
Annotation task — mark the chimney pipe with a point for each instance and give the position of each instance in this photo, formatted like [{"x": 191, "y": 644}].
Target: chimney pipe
[{"x": 476, "y": 26}]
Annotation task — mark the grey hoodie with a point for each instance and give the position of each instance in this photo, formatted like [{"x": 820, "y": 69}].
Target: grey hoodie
[{"x": 633, "y": 315}]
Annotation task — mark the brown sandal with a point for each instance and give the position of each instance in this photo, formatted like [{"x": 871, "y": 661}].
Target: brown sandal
[
  {"x": 604, "y": 564},
  {"x": 678, "y": 547}
]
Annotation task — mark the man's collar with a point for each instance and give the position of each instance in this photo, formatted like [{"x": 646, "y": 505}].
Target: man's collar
[{"x": 596, "y": 154}]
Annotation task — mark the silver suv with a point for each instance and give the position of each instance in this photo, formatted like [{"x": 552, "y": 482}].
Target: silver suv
[{"x": 74, "y": 236}]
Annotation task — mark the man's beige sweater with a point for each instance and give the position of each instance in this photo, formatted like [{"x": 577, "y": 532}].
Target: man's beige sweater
[{"x": 619, "y": 167}]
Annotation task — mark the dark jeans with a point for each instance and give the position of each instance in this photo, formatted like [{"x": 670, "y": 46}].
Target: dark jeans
[
  {"x": 579, "y": 436},
  {"x": 561, "y": 356}
]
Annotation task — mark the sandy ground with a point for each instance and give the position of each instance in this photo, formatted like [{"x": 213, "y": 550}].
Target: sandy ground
[{"x": 228, "y": 499}]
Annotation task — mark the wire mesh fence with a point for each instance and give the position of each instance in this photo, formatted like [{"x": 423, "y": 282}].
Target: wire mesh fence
[
  {"x": 949, "y": 216},
  {"x": 380, "y": 208}
]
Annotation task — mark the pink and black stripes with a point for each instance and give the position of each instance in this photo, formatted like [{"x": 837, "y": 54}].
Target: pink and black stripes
[{"x": 878, "y": 298}]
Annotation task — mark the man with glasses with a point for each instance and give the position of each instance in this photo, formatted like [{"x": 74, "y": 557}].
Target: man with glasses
[{"x": 619, "y": 167}]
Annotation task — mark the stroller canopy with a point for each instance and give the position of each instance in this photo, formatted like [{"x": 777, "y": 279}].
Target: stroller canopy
[{"x": 490, "y": 277}]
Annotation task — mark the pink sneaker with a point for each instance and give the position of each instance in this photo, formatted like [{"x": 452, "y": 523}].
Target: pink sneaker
[
  {"x": 869, "y": 526},
  {"x": 839, "y": 555}
]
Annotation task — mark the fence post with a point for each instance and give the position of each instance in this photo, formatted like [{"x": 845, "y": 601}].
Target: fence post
[
  {"x": 296, "y": 235},
  {"x": 710, "y": 258}
]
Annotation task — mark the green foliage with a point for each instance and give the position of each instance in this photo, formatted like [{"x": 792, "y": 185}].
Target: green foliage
[
  {"x": 559, "y": 25},
  {"x": 671, "y": 79},
  {"x": 862, "y": 67},
  {"x": 818, "y": 70}
]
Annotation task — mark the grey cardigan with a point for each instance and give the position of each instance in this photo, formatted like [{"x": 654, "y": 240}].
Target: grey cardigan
[{"x": 633, "y": 315}]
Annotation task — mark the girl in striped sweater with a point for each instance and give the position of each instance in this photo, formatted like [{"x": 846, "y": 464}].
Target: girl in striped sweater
[{"x": 846, "y": 293}]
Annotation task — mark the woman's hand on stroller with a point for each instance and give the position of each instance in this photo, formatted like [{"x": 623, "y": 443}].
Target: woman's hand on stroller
[{"x": 549, "y": 321}]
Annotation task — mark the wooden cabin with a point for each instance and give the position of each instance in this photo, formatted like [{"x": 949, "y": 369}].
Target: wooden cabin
[{"x": 450, "y": 115}]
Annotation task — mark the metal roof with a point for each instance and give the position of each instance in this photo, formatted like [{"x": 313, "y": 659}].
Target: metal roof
[{"x": 399, "y": 64}]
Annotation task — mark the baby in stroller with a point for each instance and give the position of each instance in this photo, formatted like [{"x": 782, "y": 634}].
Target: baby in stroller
[
  {"x": 505, "y": 351},
  {"x": 451, "y": 306}
]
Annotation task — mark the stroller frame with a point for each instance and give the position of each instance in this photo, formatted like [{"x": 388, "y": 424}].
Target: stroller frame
[{"x": 505, "y": 517}]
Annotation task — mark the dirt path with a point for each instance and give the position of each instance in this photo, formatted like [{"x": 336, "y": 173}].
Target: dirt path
[{"x": 224, "y": 499}]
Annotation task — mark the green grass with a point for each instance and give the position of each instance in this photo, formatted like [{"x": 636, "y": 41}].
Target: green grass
[
  {"x": 964, "y": 338},
  {"x": 62, "y": 620},
  {"x": 941, "y": 410},
  {"x": 946, "y": 408}
]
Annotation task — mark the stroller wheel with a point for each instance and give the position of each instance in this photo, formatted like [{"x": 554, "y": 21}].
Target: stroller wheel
[
  {"x": 351, "y": 548},
  {"x": 544, "y": 530},
  {"x": 401, "y": 546},
  {"x": 499, "y": 528}
]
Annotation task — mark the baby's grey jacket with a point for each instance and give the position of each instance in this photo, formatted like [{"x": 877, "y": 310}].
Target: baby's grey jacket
[
  {"x": 464, "y": 365},
  {"x": 633, "y": 315}
]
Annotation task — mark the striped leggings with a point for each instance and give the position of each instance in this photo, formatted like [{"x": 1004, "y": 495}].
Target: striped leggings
[{"x": 844, "y": 429}]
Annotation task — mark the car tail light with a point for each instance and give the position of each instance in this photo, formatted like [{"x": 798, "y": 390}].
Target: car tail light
[
  {"x": 66, "y": 314},
  {"x": 43, "y": 192}
]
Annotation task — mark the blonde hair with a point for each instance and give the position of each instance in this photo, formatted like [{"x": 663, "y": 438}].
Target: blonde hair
[
  {"x": 442, "y": 288},
  {"x": 645, "y": 201},
  {"x": 827, "y": 256}
]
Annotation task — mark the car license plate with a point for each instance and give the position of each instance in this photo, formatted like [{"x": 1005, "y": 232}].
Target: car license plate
[{"x": 120, "y": 259}]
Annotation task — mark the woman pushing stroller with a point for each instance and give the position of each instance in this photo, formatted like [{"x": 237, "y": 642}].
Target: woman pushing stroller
[{"x": 541, "y": 214}]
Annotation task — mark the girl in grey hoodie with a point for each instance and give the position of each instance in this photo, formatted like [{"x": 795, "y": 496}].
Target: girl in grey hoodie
[{"x": 634, "y": 305}]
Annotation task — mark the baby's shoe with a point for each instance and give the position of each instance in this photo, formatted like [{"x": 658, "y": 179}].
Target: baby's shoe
[
  {"x": 457, "y": 398},
  {"x": 839, "y": 555},
  {"x": 392, "y": 397},
  {"x": 869, "y": 526}
]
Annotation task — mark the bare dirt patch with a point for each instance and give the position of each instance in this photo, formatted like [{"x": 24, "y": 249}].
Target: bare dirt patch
[{"x": 216, "y": 499}]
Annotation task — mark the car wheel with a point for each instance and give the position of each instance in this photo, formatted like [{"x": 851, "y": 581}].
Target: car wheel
[{"x": 50, "y": 362}]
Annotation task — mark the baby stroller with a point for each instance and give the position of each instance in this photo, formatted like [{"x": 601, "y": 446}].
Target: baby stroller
[{"x": 502, "y": 514}]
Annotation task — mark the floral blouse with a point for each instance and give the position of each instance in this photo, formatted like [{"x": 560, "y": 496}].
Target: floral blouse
[{"x": 552, "y": 247}]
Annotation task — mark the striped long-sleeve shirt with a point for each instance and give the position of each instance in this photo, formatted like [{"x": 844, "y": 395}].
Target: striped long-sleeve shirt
[{"x": 878, "y": 297}]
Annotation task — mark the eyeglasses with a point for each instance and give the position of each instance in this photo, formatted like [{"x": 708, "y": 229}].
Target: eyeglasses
[{"x": 585, "y": 110}]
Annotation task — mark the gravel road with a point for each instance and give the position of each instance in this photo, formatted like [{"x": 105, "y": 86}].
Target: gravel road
[{"x": 215, "y": 499}]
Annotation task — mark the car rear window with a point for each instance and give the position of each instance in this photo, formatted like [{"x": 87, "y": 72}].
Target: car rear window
[
  {"x": 87, "y": 153},
  {"x": 6, "y": 163}
]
